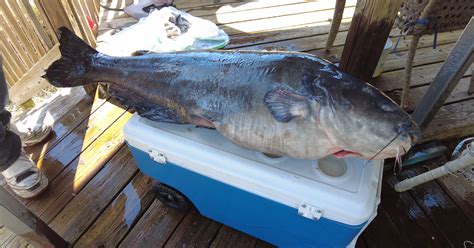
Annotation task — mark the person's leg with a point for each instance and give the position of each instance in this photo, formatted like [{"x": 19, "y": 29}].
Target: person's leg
[
  {"x": 20, "y": 173},
  {"x": 3, "y": 87},
  {"x": 30, "y": 136},
  {"x": 10, "y": 146}
]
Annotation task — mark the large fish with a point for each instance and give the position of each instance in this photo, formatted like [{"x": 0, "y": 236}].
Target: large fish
[{"x": 281, "y": 103}]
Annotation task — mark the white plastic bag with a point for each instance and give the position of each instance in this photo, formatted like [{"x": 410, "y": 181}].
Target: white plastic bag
[{"x": 153, "y": 33}]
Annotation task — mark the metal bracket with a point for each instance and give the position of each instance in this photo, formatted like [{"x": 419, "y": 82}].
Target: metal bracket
[
  {"x": 310, "y": 211},
  {"x": 156, "y": 155}
]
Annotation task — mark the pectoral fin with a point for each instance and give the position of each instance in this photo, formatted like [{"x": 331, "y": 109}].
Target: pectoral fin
[
  {"x": 286, "y": 104},
  {"x": 202, "y": 121}
]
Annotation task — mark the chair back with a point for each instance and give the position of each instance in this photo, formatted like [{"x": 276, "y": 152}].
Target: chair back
[{"x": 421, "y": 17}]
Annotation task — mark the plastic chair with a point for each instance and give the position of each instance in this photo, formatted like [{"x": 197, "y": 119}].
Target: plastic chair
[{"x": 418, "y": 17}]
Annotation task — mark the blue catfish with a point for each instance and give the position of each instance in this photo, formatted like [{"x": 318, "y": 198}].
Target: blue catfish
[{"x": 281, "y": 103}]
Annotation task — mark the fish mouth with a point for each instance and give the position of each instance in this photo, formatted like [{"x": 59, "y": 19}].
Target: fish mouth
[{"x": 346, "y": 154}]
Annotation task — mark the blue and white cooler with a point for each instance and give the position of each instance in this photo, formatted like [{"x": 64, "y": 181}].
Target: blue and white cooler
[{"x": 286, "y": 202}]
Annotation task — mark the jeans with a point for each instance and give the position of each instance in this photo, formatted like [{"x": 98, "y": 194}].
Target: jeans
[{"x": 10, "y": 143}]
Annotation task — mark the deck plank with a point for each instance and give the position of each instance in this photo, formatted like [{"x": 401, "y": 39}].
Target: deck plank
[
  {"x": 396, "y": 61},
  {"x": 383, "y": 233},
  {"x": 154, "y": 227},
  {"x": 228, "y": 237},
  {"x": 459, "y": 93},
  {"x": 65, "y": 125},
  {"x": 121, "y": 215},
  {"x": 451, "y": 121},
  {"x": 17, "y": 242},
  {"x": 461, "y": 190},
  {"x": 240, "y": 6},
  {"x": 199, "y": 9},
  {"x": 293, "y": 33},
  {"x": 459, "y": 186},
  {"x": 194, "y": 230},
  {"x": 5, "y": 236},
  {"x": 78, "y": 140},
  {"x": 74, "y": 177},
  {"x": 81, "y": 211},
  {"x": 252, "y": 14},
  {"x": 408, "y": 217},
  {"x": 236, "y": 11},
  {"x": 250, "y": 26},
  {"x": 421, "y": 75},
  {"x": 183, "y": 4},
  {"x": 318, "y": 40},
  {"x": 424, "y": 55},
  {"x": 66, "y": 152},
  {"x": 71, "y": 139},
  {"x": 278, "y": 22},
  {"x": 437, "y": 205}
]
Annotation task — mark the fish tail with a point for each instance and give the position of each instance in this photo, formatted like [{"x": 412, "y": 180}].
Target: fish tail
[{"x": 75, "y": 65}]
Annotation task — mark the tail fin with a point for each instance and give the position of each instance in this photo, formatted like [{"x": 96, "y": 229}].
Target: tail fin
[{"x": 75, "y": 63}]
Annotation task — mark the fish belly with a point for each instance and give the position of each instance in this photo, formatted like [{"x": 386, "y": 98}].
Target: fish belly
[{"x": 298, "y": 138}]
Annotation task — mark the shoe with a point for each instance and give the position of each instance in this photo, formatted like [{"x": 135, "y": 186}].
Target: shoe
[
  {"x": 24, "y": 178},
  {"x": 34, "y": 136},
  {"x": 143, "y": 7}
]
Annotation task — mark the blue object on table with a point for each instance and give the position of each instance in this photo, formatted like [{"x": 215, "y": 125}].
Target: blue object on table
[{"x": 286, "y": 202}]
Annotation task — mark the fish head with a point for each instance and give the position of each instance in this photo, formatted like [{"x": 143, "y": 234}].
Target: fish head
[{"x": 362, "y": 121}]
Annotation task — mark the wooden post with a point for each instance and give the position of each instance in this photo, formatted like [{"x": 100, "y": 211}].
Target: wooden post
[
  {"x": 56, "y": 14},
  {"x": 336, "y": 23},
  {"x": 21, "y": 221},
  {"x": 369, "y": 30},
  {"x": 408, "y": 67}
]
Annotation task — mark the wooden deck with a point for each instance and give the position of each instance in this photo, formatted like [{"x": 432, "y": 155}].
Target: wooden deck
[{"x": 98, "y": 198}]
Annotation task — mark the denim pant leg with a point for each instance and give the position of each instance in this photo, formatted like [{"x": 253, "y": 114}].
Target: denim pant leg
[
  {"x": 10, "y": 149},
  {"x": 10, "y": 143},
  {"x": 3, "y": 88}
]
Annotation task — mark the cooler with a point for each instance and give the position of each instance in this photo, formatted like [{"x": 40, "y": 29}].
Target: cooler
[{"x": 286, "y": 202}]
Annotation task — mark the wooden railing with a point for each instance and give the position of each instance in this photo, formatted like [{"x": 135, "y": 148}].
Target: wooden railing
[{"x": 28, "y": 38}]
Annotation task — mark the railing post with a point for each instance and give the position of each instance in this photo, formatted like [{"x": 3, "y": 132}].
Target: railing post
[
  {"x": 56, "y": 14},
  {"x": 369, "y": 30}
]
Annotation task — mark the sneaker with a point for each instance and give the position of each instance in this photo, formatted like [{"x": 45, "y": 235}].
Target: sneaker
[
  {"x": 24, "y": 178},
  {"x": 34, "y": 136},
  {"x": 143, "y": 7}
]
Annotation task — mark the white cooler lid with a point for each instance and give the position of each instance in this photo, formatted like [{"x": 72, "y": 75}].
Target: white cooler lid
[{"x": 351, "y": 197}]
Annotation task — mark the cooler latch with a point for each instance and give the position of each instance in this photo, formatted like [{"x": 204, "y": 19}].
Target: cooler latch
[
  {"x": 156, "y": 155},
  {"x": 310, "y": 211}
]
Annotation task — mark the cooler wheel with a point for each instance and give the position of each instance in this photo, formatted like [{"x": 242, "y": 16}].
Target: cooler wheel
[{"x": 171, "y": 197}]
